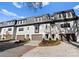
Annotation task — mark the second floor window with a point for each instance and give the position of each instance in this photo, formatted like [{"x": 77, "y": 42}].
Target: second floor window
[
  {"x": 0, "y": 30},
  {"x": 36, "y": 28},
  {"x": 65, "y": 25},
  {"x": 21, "y": 29},
  {"x": 46, "y": 26},
  {"x": 9, "y": 29},
  {"x": 27, "y": 28}
]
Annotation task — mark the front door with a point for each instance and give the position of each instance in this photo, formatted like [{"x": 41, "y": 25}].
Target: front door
[
  {"x": 64, "y": 37},
  {"x": 67, "y": 37},
  {"x": 73, "y": 37}
]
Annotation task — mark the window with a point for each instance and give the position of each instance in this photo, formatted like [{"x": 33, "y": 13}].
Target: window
[
  {"x": 21, "y": 29},
  {"x": 44, "y": 18},
  {"x": 36, "y": 28},
  {"x": 69, "y": 15},
  {"x": 4, "y": 29},
  {"x": 46, "y": 26},
  {"x": 27, "y": 28},
  {"x": 40, "y": 18},
  {"x": 64, "y": 15},
  {"x": 9, "y": 29},
  {"x": 52, "y": 25},
  {"x": 17, "y": 22},
  {"x": 53, "y": 36},
  {"x": 60, "y": 16},
  {"x": 46, "y": 35},
  {"x": 24, "y": 21},
  {"x": 65, "y": 25},
  {"x": 36, "y": 19},
  {"x": 0, "y": 30},
  {"x": 20, "y": 22}
]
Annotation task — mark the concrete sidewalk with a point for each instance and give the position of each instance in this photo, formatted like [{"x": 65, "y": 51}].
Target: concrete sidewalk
[
  {"x": 33, "y": 43},
  {"x": 74, "y": 43},
  {"x": 62, "y": 50}
]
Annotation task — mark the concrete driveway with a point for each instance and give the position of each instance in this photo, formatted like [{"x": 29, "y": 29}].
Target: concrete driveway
[{"x": 62, "y": 50}]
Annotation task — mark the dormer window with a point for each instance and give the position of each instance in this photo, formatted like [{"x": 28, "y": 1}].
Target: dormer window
[
  {"x": 20, "y": 22},
  {"x": 40, "y": 18},
  {"x": 60, "y": 16},
  {"x": 36, "y": 20},
  {"x": 69, "y": 15}
]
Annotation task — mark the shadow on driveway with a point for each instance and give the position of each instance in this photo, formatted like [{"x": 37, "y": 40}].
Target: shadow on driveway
[{"x": 8, "y": 45}]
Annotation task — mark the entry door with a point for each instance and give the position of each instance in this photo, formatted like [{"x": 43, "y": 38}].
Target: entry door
[
  {"x": 65, "y": 37},
  {"x": 74, "y": 37},
  {"x": 68, "y": 37}
]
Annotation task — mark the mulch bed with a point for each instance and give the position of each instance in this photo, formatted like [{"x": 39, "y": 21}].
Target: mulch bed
[{"x": 49, "y": 43}]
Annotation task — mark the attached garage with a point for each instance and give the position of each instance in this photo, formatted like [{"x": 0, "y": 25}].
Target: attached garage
[
  {"x": 20, "y": 37},
  {"x": 37, "y": 37}
]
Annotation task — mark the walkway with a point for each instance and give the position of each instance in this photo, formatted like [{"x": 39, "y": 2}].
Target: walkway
[{"x": 33, "y": 42}]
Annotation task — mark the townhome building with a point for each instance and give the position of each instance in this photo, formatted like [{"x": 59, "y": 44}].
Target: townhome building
[
  {"x": 65, "y": 25},
  {"x": 61, "y": 25}
]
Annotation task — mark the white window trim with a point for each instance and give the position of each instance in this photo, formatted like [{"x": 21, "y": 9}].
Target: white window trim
[{"x": 70, "y": 14}]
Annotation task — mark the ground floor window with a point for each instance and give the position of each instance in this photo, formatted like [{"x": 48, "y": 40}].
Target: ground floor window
[
  {"x": 46, "y": 35},
  {"x": 53, "y": 36}
]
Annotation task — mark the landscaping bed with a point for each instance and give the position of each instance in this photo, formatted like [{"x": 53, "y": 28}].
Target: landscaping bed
[
  {"x": 50, "y": 42},
  {"x": 6, "y": 40},
  {"x": 22, "y": 41}
]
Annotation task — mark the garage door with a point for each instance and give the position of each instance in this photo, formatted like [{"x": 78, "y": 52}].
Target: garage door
[
  {"x": 20, "y": 37},
  {"x": 37, "y": 37}
]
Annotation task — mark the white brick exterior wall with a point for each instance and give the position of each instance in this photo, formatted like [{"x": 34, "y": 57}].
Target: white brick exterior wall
[
  {"x": 58, "y": 30},
  {"x": 42, "y": 30},
  {"x": 4, "y": 30},
  {"x": 55, "y": 29}
]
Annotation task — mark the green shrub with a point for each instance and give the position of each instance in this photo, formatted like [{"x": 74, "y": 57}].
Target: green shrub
[
  {"x": 23, "y": 41},
  {"x": 56, "y": 39},
  {"x": 50, "y": 39}
]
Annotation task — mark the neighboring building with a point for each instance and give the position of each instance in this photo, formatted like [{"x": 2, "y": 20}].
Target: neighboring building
[
  {"x": 7, "y": 30},
  {"x": 62, "y": 25}
]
